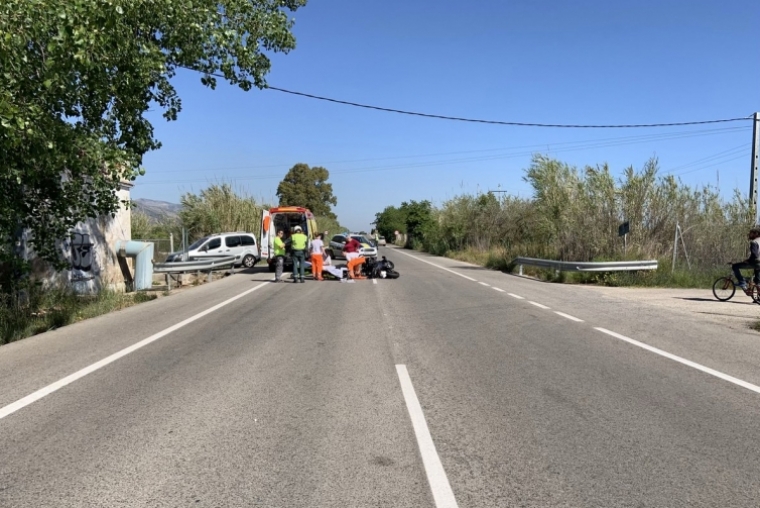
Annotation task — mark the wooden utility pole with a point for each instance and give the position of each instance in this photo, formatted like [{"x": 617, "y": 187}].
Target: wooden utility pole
[{"x": 754, "y": 170}]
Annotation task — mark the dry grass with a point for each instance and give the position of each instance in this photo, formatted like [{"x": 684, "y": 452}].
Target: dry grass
[
  {"x": 574, "y": 216},
  {"x": 36, "y": 310}
]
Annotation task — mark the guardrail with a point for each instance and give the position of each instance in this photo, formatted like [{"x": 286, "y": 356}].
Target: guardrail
[
  {"x": 195, "y": 265},
  {"x": 587, "y": 266}
]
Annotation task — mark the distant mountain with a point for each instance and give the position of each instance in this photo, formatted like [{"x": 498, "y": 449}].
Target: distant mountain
[{"x": 157, "y": 210}]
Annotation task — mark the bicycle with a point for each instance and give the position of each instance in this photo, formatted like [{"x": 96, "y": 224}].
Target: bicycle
[{"x": 724, "y": 288}]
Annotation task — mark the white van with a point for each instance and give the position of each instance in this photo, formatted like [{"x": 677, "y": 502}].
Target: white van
[
  {"x": 242, "y": 245},
  {"x": 285, "y": 219}
]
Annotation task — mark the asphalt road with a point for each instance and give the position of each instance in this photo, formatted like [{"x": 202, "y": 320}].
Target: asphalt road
[{"x": 451, "y": 386}]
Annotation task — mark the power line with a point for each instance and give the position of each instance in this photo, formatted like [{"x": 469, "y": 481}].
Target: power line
[
  {"x": 405, "y": 165},
  {"x": 714, "y": 157},
  {"x": 714, "y": 164},
  {"x": 558, "y": 147},
  {"x": 501, "y": 122},
  {"x": 492, "y": 122}
]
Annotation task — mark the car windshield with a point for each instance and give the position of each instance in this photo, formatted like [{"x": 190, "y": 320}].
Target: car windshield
[
  {"x": 197, "y": 243},
  {"x": 361, "y": 239}
]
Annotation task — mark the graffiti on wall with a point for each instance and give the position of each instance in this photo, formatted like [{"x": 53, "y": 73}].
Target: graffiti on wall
[{"x": 81, "y": 252}]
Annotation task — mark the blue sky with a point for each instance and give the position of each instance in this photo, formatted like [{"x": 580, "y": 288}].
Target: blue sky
[{"x": 575, "y": 62}]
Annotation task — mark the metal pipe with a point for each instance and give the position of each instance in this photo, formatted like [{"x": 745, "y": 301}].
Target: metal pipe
[{"x": 142, "y": 252}]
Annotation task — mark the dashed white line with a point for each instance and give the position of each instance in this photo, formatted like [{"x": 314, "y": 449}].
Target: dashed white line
[
  {"x": 374, "y": 281},
  {"x": 484, "y": 284},
  {"x": 498, "y": 289},
  {"x": 684, "y": 361},
  {"x": 437, "y": 266},
  {"x": 42, "y": 392},
  {"x": 516, "y": 296},
  {"x": 443, "y": 496},
  {"x": 568, "y": 316},
  {"x": 540, "y": 305}
]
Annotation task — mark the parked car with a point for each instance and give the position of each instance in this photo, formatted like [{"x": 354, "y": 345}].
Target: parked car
[
  {"x": 381, "y": 241},
  {"x": 337, "y": 242},
  {"x": 239, "y": 244}
]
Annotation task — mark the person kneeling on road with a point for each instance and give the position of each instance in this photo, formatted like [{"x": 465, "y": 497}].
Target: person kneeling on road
[{"x": 351, "y": 251}]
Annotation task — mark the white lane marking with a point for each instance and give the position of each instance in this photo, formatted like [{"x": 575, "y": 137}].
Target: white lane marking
[
  {"x": 568, "y": 316},
  {"x": 374, "y": 281},
  {"x": 42, "y": 392},
  {"x": 437, "y": 266},
  {"x": 484, "y": 284},
  {"x": 498, "y": 289},
  {"x": 684, "y": 361},
  {"x": 516, "y": 296},
  {"x": 439, "y": 483},
  {"x": 538, "y": 305}
]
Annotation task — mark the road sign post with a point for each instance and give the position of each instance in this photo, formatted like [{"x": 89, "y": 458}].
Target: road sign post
[{"x": 623, "y": 230}]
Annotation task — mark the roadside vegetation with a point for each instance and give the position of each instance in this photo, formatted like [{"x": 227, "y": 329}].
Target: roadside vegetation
[
  {"x": 28, "y": 308},
  {"x": 34, "y": 310},
  {"x": 574, "y": 215}
]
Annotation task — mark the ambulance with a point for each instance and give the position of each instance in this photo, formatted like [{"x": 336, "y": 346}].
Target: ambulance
[{"x": 284, "y": 218}]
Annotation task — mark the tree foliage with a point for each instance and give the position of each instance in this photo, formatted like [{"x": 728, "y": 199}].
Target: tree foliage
[
  {"x": 308, "y": 187},
  {"x": 329, "y": 224},
  {"x": 390, "y": 220},
  {"x": 78, "y": 77},
  {"x": 415, "y": 218}
]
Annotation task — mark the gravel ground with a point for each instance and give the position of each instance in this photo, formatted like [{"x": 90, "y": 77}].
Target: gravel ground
[{"x": 739, "y": 312}]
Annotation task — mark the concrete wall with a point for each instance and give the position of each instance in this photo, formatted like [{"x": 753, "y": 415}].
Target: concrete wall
[{"x": 89, "y": 252}]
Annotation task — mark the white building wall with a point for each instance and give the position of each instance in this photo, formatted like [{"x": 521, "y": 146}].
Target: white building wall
[{"x": 89, "y": 252}]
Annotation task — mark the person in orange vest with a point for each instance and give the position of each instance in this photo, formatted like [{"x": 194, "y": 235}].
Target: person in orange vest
[{"x": 317, "y": 257}]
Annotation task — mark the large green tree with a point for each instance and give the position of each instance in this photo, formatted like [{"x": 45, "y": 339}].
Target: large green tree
[
  {"x": 78, "y": 76},
  {"x": 420, "y": 219},
  {"x": 390, "y": 220},
  {"x": 308, "y": 187}
]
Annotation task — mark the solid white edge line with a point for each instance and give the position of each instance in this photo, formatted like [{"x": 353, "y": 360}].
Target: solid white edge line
[
  {"x": 568, "y": 316},
  {"x": 439, "y": 483},
  {"x": 437, "y": 266},
  {"x": 484, "y": 284},
  {"x": 684, "y": 361},
  {"x": 540, "y": 305},
  {"x": 42, "y": 392},
  {"x": 498, "y": 289},
  {"x": 516, "y": 296}
]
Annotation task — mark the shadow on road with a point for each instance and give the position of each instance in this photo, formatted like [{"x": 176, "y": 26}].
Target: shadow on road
[
  {"x": 735, "y": 302},
  {"x": 250, "y": 271}
]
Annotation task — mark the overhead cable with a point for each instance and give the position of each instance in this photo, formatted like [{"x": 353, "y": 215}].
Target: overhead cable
[{"x": 501, "y": 122}]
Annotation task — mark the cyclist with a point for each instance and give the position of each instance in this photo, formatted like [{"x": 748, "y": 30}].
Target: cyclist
[{"x": 753, "y": 261}]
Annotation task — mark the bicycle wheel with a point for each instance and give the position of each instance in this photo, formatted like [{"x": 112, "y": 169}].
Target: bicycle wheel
[
  {"x": 756, "y": 294},
  {"x": 724, "y": 289}
]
